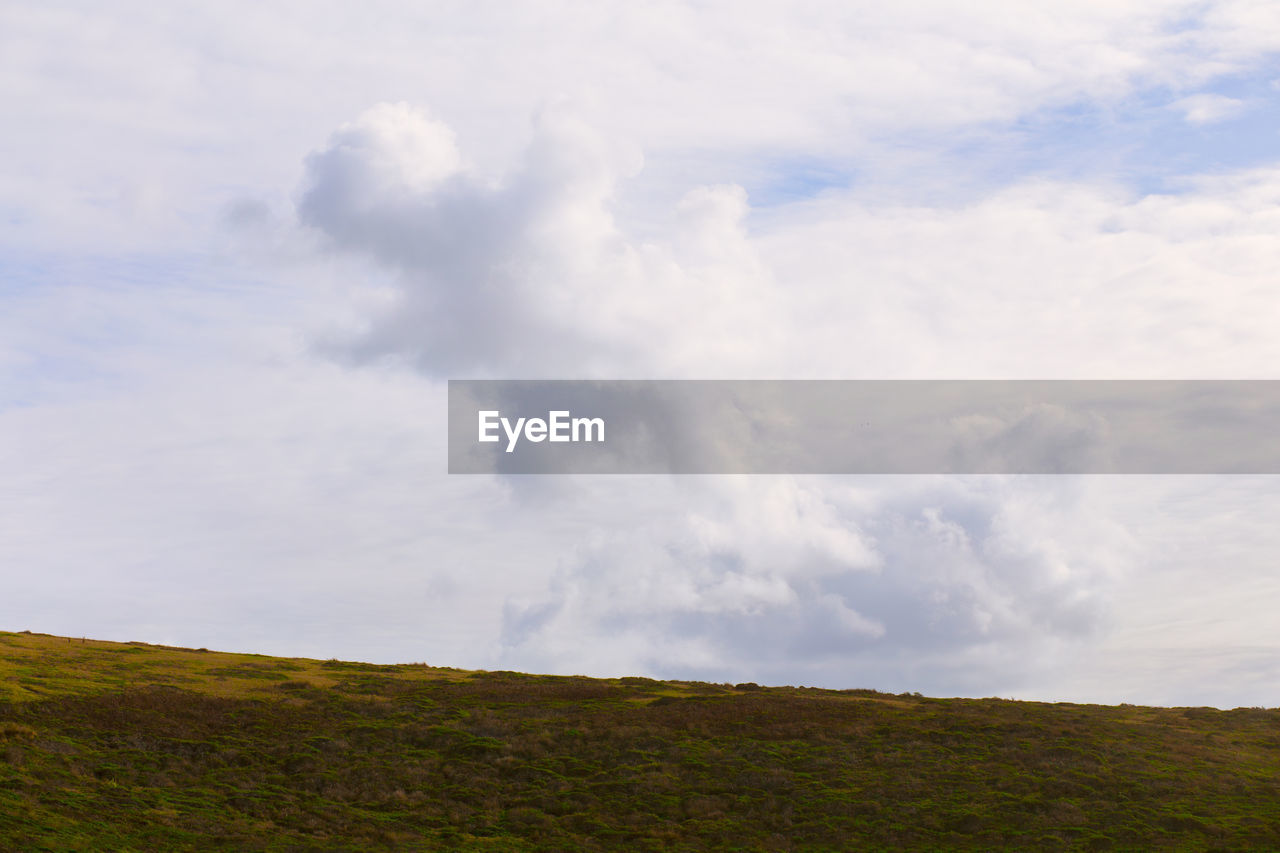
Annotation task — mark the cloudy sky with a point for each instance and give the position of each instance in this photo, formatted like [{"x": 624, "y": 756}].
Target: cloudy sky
[{"x": 243, "y": 247}]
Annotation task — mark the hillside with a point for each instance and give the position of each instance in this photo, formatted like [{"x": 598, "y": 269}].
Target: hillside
[{"x": 128, "y": 746}]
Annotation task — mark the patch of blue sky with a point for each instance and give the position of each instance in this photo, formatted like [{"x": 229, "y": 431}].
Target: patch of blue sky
[
  {"x": 37, "y": 376},
  {"x": 27, "y": 270},
  {"x": 50, "y": 341},
  {"x": 78, "y": 325},
  {"x": 1149, "y": 143},
  {"x": 793, "y": 179}
]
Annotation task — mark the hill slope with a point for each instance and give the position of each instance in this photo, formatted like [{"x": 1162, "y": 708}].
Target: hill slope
[{"x": 127, "y": 746}]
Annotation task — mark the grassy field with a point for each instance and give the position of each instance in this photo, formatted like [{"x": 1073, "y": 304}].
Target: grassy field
[{"x": 128, "y": 746}]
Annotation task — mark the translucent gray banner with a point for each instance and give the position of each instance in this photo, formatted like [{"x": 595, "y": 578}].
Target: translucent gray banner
[{"x": 864, "y": 427}]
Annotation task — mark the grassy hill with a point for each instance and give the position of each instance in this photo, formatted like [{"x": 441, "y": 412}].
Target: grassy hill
[{"x": 129, "y": 746}]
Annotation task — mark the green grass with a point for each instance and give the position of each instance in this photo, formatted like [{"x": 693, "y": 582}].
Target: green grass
[{"x": 127, "y": 746}]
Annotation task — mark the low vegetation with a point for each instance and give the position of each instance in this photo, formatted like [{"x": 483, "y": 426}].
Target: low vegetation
[{"x": 128, "y": 746}]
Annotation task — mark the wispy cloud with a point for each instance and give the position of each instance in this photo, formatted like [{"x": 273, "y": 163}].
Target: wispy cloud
[{"x": 1209, "y": 108}]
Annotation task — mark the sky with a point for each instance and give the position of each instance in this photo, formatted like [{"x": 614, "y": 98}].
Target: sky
[{"x": 243, "y": 247}]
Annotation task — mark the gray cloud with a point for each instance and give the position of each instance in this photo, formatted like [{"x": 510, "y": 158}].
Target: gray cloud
[
  {"x": 954, "y": 583},
  {"x": 485, "y": 268},
  {"x": 528, "y": 274}
]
